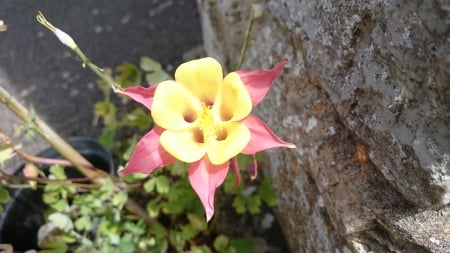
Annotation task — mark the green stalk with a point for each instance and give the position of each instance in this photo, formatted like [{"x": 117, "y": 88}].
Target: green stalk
[{"x": 248, "y": 33}]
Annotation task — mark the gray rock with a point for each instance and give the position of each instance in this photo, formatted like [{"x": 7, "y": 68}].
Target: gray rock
[{"x": 366, "y": 99}]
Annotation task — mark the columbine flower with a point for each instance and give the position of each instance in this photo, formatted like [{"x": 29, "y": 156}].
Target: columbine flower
[{"x": 204, "y": 119}]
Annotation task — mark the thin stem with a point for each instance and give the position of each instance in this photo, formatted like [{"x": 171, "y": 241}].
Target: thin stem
[
  {"x": 45, "y": 160},
  {"x": 97, "y": 70},
  {"x": 50, "y": 136},
  {"x": 248, "y": 33},
  {"x": 58, "y": 143},
  {"x": 43, "y": 180}
]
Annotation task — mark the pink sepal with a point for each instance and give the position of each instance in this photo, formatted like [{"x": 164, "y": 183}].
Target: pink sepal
[
  {"x": 148, "y": 154},
  {"x": 205, "y": 177},
  {"x": 261, "y": 137},
  {"x": 142, "y": 95},
  {"x": 258, "y": 81}
]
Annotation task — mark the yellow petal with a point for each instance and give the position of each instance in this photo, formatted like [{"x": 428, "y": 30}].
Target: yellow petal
[
  {"x": 186, "y": 146},
  {"x": 233, "y": 102},
  {"x": 235, "y": 137},
  {"x": 173, "y": 107},
  {"x": 201, "y": 77}
]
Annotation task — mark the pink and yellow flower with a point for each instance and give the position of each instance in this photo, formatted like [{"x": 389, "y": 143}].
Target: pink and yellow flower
[{"x": 204, "y": 119}]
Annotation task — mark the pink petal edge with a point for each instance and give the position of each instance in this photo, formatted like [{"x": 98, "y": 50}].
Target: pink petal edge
[
  {"x": 148, "y": 154},
  {"x": 140, "y": 94},
  {"x": 261, "y": 137},
  {"x": 258, "y": 81},
  {"x": 205, "y": 177}
]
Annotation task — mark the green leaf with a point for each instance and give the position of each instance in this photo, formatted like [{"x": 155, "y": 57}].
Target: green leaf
[
  {"x": 131, "y": 144},
  {"x": 244, "y": 160},
  {"x": 137, "y": 118},
  {"x": 178, "y": 168},
  {"x": 107, "y": 111},
  {"x": 158, "y": 231},
  {"x": 153, "y": 207},
  {"x": 55, "y": 245},
  {"x": 157, "y": 76},
  {"x": 229, "y": 184},
  {"x": 149, "y": 186},
  {"x": 60, "y": 205},
  {"x": 127, "y": 247},
  {"x": 62, "y": 221},
  {"x": 119, "y": 199},
  {"x": 267, "y": 193},
  {"x": 197, "y": 221},
  {"x": 129, "y": 75},
  {"x": 107, "y": 138},
  {"x": 239, "y": 204},
  {"x": 83, "y": 223},
  {"x": 148, "y": 64},
  {"x": 243, "y": 245},
  {"x": 134, "y": 177},
  {"x": 173, "y": 207},
  {"x": 57, "y": 171},
  {"x": 253, "y": 204},
  {"x": 162, "y": 184},
  {"x": 200, "y": 249},
  {"x": 221, "y": 243},
  {"x": 4, "y": 195},
  {"x": 50, "y": 197},
  {"x": 136, "y": 229},
  {"x": 188, "y": 232}
]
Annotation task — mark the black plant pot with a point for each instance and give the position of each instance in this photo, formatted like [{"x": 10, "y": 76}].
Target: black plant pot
[{"x": 23, "y": 215}]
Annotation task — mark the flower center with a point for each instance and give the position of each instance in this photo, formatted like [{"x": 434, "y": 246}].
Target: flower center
[{"x": 210, "y": 130}]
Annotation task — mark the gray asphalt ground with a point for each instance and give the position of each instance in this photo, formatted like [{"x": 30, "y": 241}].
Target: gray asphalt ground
[{"x": 36, "y": 68}]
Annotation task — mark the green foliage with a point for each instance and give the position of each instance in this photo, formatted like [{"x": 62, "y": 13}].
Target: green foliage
[
  {"x": 91, "y": 218},
  {"x": 249, "y": 198},
  {"x": 4, "y": 198},
  {"x": 154, "y": 72}
]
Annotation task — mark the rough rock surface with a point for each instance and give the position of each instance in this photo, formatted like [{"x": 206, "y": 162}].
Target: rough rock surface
[{"x": 366, "y": 99}]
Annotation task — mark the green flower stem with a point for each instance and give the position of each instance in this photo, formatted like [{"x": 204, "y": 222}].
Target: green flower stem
[
  {"x": 248, "y": 33},
  {"x": 98, "y": 71}
]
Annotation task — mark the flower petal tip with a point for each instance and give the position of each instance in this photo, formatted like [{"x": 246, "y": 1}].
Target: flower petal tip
[{"x": 209, "y": 215}]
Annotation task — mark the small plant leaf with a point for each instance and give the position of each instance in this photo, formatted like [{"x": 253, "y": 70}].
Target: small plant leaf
[
  {"x": 243, "y": 245},
  {"x": 149, "y": 186},
  {"x": 4, "y": 195},
  {"x": 253, "y": 204},
  {"x": 83, "y": 223},
  {"x": 157, "y": 76},
  {"x": 267, "y": 193},
  {"x": 57, "y": 171},
  {"x": 119, "y": 199},
  {"x": 62, "y": 221},
  {"x": 148, "y": 64},
  {"x": 239, "y": 204},
  {"x": 221, "y": 243},
  {"x": 129, "y": 75},
  {"x": 162, "y": 184},
  {"x": 197, "y": 221},
  {"x": 153, "y": 207}
]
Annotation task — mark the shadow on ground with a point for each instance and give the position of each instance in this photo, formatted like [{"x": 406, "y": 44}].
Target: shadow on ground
[{"x": 46, "y": 75}]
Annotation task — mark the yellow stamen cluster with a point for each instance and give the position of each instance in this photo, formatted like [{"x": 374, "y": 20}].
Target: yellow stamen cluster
[{"x": 207, "y": 124}]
